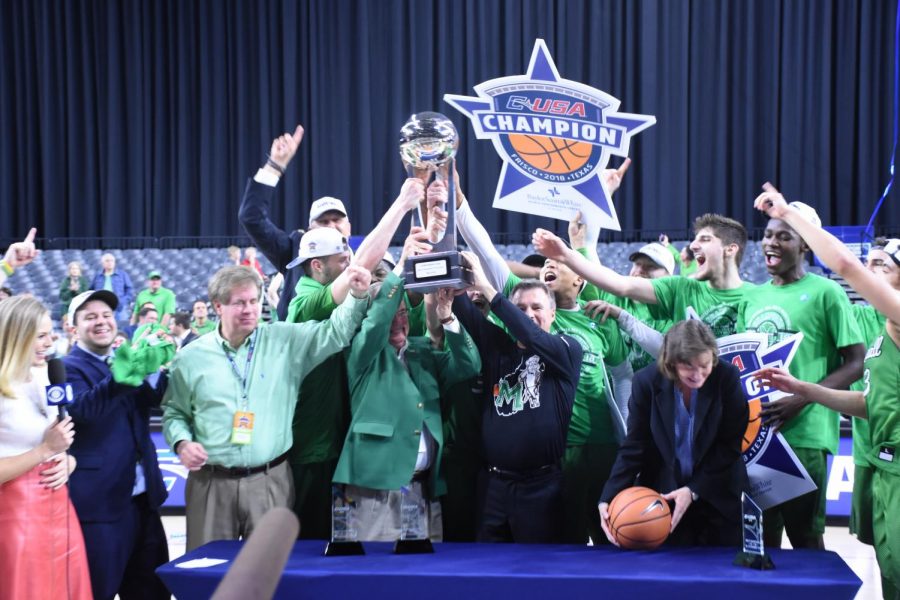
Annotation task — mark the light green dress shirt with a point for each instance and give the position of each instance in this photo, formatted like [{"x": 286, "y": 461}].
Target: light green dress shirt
[{"x": 204, "y": 392}]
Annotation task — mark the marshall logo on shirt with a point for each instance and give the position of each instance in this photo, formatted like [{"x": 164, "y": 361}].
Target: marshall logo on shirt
[
  {"x": 875, "y": 349},
  {"x": 521, "y": 386}
]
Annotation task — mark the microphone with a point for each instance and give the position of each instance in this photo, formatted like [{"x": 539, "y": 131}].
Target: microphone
[
  {"x": 59, "y": 393},
  {"x": 256, "y": 571}
]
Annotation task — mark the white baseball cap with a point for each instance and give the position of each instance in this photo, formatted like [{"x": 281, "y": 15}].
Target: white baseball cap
[
  {"x": 807, "y": 212},
  {"x": 318, "y": 242},
  {"x": 323, "y": 205},
  {"x": 658, "y": 254},
  {"x": 80, "y": 300}
]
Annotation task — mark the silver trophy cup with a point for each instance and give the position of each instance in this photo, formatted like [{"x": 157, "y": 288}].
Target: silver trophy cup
[{"x": 428, "y": 144}]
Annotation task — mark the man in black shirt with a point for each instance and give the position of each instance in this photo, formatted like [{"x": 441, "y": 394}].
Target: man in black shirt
[{"x": 530, "y": 378}]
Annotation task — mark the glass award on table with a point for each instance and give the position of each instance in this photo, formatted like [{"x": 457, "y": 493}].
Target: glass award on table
[
  {"x": 428, "y": 144},
  {"x": 344, "y": 529},
  {"x": 414, "y": 537},
  {"x": 752, "y": 553}
]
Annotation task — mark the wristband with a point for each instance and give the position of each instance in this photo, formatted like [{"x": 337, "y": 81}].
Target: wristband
[
  {"x": 448, "y": 320},
  {"x": 274, "y": 165},
  {"x": 7, "y": 268}
]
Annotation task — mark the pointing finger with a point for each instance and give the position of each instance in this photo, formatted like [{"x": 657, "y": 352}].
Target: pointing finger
[{"x": 623, "y": 167}]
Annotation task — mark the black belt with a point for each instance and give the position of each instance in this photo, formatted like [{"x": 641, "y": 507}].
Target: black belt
[
  {"x": 517, "y": 475},
  {"x": 244, "y": 471}
]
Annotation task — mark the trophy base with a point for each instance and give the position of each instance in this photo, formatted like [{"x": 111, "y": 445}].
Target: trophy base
[
  {"x": 427, "y": 273},
  {"x": 344, "y": 549},
  {"x": 754, "y": 561},
  {"x": 413, "y": 547}
]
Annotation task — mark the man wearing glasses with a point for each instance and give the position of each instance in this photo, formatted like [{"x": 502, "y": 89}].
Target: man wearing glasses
[{"x": 228, "y": 409}]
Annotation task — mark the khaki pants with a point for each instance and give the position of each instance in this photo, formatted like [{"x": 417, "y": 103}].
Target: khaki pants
[
  {"x": 228, "y": 508},
  {"x": 379, "y": 513}
]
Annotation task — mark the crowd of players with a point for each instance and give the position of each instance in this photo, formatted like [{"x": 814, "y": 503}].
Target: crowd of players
[{"x": 514, "y": 408}]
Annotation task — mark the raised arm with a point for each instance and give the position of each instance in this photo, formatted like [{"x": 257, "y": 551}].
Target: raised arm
[
  {"x": 272, "y": 241},
  {"x": 833, "y": 253},
  {"x": 605, "y": 278},
  {"x": 479, "y": 241},
  {"x": 18, "y": 255}
]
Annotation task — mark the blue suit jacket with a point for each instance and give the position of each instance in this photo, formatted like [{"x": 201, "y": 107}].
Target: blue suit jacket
[{"x": 112, "y": 434}]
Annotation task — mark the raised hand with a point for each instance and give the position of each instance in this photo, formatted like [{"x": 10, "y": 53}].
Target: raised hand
[
  {"x": 359, "y": 280},
  {"x": 771, "y": 202},
  {"x": 411, "y": 194},
  {"x": 577, "y": 231},
  {"x": 285, "y": 146},
  {"x": 437, "y": 223},
  {"x": 549, "y": 245},
  {"x": 22, "y": 253},
  {"x": 613, "y": 177}
]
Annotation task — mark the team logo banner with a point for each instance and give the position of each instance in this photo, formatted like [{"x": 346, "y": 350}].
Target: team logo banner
[
  {"x": 555, "y": 136},
  {"x": 775, "y": 473}
]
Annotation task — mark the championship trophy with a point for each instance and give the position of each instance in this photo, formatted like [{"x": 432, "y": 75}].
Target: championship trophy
[
  {"x": 344, "y": 531},
  {"x": 752, "y": 553},
  {"x": 428, "y": 143},
  {"x": 414, "y": 537}
]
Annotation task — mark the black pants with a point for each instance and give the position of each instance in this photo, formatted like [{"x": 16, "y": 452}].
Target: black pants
[{"x": 525, "y": 510}]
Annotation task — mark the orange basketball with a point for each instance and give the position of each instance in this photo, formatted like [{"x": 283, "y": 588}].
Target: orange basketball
[
  {"x": 753, "y": 423},
  {"x": 639, "y": 518},
  {"x": 551, "y": 154}
]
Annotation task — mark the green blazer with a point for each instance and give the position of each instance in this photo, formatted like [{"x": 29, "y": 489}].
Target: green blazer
[{"x": 390, "y": 401}]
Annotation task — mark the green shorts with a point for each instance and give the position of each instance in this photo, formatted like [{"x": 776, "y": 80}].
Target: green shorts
[
  {"x": 861, "y": 507},
  {"x": 886, "y": 527},
  {"x": 803, "y": 518}
]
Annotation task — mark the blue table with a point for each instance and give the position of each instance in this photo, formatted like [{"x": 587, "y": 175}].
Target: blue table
[{"x": 504, "y": 571}]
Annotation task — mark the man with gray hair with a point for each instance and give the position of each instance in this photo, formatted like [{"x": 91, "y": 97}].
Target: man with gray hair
[
  {"x": 228, "y": 410},
  {"x": 118, "y": 282}
]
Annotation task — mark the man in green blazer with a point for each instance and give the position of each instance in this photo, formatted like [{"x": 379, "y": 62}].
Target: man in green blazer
[{"x": 396, "y": 381}]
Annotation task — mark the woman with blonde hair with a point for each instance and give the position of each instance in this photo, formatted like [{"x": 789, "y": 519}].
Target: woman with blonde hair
[
  {"x": 41, "y": 550},
  {"x": 73, "y": 284},
  {"x": 686, "y": 419}
]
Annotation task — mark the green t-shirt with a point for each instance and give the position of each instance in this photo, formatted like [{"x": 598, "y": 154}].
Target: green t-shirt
[
  {"x": 416, "y": 317},
  {"x": 210, "y": 325},
  {"x": 163, "y": 300},
  {"x": 882, "y": 376},
  {"x": 323, "y": 408},
  {"x": 820, "y": 309},
  {"x": 871, "y": 325},
  {"x": 600, "y": 342},
  {"x": 720, "y": 309}
]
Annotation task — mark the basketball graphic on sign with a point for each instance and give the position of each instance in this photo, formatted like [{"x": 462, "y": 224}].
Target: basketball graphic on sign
[{"x": 554, "y": 155}]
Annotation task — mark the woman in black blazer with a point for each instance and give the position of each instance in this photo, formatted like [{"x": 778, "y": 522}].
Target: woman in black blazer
[{"x": 686, "y": 420}]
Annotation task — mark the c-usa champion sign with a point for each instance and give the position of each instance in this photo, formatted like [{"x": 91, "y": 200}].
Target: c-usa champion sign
[{"x": 555, "y": 136}]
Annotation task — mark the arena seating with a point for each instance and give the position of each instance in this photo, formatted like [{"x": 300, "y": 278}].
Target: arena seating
[{"x": 187, "y": 270}]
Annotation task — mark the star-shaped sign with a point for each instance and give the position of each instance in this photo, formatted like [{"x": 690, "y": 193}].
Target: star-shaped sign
[{"x": 555, "y": 136}]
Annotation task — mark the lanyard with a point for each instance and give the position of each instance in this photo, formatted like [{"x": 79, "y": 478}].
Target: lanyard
[{"x": 245, "y": 378}]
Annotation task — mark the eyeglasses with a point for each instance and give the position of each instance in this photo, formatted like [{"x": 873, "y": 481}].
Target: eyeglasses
[{"x": 242, "y": 304}]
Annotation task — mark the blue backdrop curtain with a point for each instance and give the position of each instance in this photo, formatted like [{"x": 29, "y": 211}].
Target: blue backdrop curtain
[{"x": 144, "y": 118}]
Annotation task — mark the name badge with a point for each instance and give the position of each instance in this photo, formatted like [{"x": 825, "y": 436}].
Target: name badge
[
  {"x": 886, "y": 453},
  {"x": 242, "y": 428}
]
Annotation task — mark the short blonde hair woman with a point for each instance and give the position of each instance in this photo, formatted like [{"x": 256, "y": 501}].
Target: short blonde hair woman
[{"x": 41, "y": 551}]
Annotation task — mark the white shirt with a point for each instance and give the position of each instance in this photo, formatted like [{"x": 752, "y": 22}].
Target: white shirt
[{"x": 24, "y": 419}]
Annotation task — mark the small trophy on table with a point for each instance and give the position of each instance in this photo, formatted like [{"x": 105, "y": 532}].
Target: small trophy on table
[
  {"x": 428, "y": 143},
  {"x": 344, "y": 531},
  {"x": 753, "y": 553},
  {"x": 413, "y": 523}
]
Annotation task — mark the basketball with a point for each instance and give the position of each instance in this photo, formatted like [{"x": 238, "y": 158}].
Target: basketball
[
  {"x": 550, "y": 154},
  {"x": 639, "y": 518}
]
